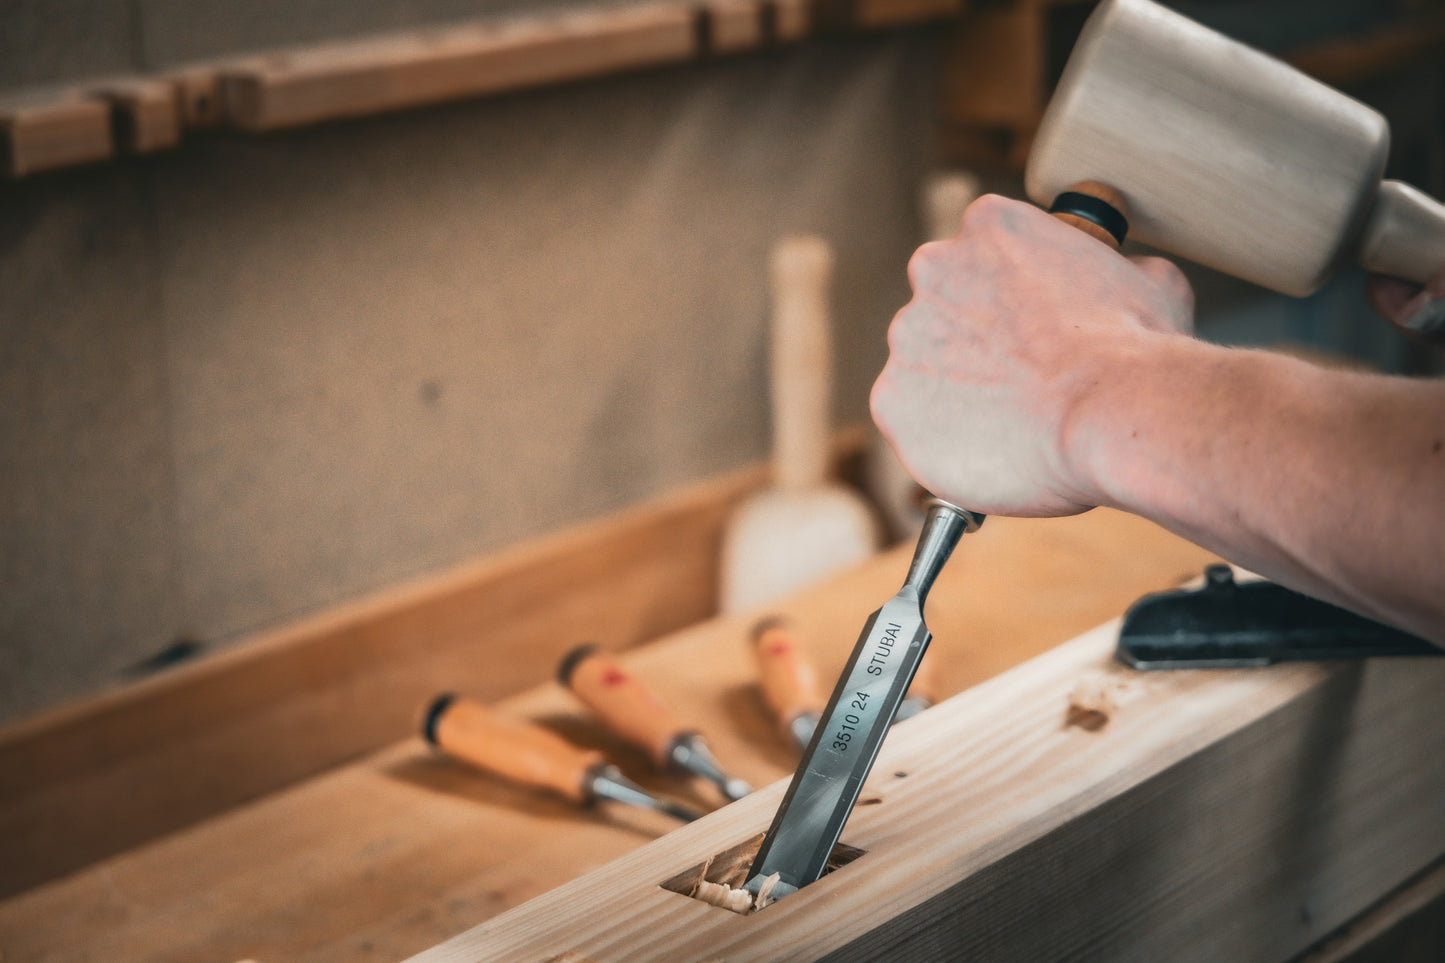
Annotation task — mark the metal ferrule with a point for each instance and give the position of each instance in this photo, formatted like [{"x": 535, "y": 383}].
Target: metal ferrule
[
  {"x": 802, "y": 727},
  {"x": 690, "y": 753},
  {"x": 943, "y": 526},
  {"x": 608, "y": 782}
]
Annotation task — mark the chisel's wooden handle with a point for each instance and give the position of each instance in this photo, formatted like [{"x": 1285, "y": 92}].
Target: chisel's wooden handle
[
  {"x": 625, "y": 705},
  {"x": 1096, "y": 209},
  {"x": 510, "y": 748},
  {"x": 790, "y": 685}
]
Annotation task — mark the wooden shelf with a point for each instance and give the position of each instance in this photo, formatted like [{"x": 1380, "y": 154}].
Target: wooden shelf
[{"x": 47, "y": 129}]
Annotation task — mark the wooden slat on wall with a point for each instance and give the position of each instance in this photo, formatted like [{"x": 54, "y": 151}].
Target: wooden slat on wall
[
  {"x": 1218, "y": 815},
  {"x": 79, "y": 784},
  {"x": 44, "y": 130}
]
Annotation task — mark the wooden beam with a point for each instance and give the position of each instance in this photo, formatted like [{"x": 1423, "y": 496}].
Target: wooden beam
[
  {"x": 1217, "y": 815},
  {"x": 1409, "y": 924}
]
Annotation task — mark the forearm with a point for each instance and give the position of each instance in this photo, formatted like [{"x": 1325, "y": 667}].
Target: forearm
[{"x": 1330, "y": 482}]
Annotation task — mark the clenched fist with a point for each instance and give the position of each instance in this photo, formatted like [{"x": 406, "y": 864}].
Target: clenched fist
[{"x": 1014, "y": 325}]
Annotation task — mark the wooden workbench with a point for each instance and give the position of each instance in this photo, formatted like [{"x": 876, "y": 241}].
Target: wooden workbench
[{"x": 403, "y": 849}]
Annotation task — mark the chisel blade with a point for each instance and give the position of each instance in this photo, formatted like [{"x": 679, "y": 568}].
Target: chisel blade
[{"x": 873, "y": 683}]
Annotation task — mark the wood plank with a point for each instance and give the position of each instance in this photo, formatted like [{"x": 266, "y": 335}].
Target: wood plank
[
  {"x": 44, "y": 130},
  {"x": 80, "y": 783},
  {"x": 1218, "y": 815},
  {"x": 356, "y": 78},
  {"x": 1409, "y": 924},
  {"x": 397, "y": 851}
]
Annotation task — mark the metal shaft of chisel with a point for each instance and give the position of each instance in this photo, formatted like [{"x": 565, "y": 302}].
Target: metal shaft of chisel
[
  {"x": 826, "y": 785},
  {"x": 608, "y": 782}
]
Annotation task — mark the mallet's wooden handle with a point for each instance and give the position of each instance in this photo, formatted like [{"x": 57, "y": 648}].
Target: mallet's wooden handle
[
  {"x": 1098, "y": 224},
  {"x": 790, "y": 685},
  {"x": 625, "y": 705},
  {"x": 510, "y": 748}
]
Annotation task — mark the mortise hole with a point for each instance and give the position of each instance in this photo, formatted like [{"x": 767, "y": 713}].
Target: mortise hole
[{"x": 730, "y": 868}]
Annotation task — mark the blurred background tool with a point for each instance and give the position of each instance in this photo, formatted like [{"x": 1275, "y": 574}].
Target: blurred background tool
[
  {"x": 532, "y": 756},
  {"x": 804, "y": 527},
  {"x": 790, "y": 685},
  {"x": 634, "y": 712}
]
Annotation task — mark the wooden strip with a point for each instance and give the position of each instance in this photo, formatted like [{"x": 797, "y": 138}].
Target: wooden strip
[
  {"x": 198, "y": 95},
  {"x": 733, "y": 26},
  {"x": 1407, "y": 925},
  {"x": 81, "y": 783},
  {"x": 366, "y": 77},
  {"x": 1217, "y": 815},
  {"x": 147, "y": 113},
  {"x": 395, "y": 852},
  {"x": 45, "y": 130}
]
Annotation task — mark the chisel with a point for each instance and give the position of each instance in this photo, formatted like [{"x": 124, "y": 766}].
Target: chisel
[
  {"x": 635, "y": 713},
  {"x": 825, "y": 788},
  {"x": 790, "y": 685},
  {"x": 827, "y": 782},
  {"x": 533, "y": 756}
]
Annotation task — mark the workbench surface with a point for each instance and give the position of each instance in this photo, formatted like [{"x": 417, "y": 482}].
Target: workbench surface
[{"x": 402, "y": 849}]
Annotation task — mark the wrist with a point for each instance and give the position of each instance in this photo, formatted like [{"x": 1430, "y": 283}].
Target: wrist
[{"x": 1115, "y": 440}]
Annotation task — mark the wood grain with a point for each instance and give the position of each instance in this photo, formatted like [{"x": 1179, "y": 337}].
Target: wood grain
[
  {"x": 1218, "y": 815},
  {"x": 403, "y": 848}
]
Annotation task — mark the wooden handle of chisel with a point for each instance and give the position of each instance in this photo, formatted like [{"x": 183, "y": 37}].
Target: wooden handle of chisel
[
  {"x": 790, "y": 685},
  {"x": 1101, "y": 214},
  {"x": 625, "y": 705},
  {"x": 510, "y": 748}
]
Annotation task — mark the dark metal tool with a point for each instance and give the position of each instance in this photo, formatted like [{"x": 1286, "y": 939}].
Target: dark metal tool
[
  {"x": 827, "y": 782},
  {"x": 1227, "y": 624}
]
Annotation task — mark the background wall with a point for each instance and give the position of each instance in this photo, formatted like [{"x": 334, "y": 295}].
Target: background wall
[{"x": 252, "y": 377}]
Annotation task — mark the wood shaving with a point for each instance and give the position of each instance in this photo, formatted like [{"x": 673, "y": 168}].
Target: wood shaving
[
  {"x": 721, "y": 894},
  {"x": 765, "y": 891}
]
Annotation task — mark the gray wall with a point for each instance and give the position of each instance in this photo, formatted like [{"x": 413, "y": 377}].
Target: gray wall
[{"x": 256, "y": 376}]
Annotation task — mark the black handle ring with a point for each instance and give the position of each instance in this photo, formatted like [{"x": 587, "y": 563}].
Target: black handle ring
[{"x": 1093, "y": 210}]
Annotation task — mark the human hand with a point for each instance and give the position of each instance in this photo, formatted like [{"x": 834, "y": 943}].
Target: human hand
[
  {"x": 1419, "y": 312},
  {"x": 1013, "y": 323}
]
